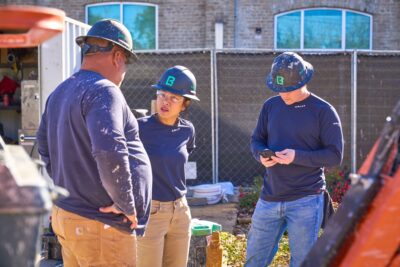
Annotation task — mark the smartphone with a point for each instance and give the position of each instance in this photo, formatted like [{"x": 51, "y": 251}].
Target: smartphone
[{"x": 267, "y": 153}]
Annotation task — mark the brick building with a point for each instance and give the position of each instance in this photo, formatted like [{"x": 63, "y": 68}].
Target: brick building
[
  {"x": 181, "y": 24},
  {"x": 231, "y": 82}
]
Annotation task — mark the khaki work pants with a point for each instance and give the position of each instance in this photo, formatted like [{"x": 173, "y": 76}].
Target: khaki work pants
[
  {"x": 90, "y": 243},
  {"x": 167, "y": 237}
]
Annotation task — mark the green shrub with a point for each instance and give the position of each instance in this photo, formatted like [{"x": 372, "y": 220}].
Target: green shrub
[{"x": 249, "y": 198}]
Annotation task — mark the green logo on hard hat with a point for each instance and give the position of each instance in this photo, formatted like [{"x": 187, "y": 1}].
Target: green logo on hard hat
[
  {"x": 280, "y": 80},
  {"x": 170, "y": 80},
  {"x": 192, "y": 87},
  {"x": 121, "y": 36}
]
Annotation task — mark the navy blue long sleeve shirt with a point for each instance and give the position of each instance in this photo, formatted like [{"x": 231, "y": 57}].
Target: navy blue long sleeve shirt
[
  {"x": 90, "y": 143},
  {"x": 312, "y": 128},
  {"x": 168, "y": 148}
]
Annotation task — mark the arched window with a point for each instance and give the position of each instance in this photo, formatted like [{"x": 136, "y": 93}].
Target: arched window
[
  {"x": 327, "y": 29},
  {"x": 140, "y": 19}
]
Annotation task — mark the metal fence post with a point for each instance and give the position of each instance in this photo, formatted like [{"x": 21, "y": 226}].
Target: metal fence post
[
  {"x": 353, "y": 125},
  {"x": 214, "y": 113}
]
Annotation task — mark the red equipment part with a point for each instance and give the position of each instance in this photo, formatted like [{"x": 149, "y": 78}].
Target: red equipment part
[
  {"x": 29, "y": 26},
  {"x": 365, "y": 231},
  {"x": 8, "y": 86}
]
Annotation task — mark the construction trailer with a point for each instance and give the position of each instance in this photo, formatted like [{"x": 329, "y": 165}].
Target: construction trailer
[{"x": 37, "y": 71}]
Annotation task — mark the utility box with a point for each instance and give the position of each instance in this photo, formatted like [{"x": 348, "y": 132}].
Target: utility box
[
  {"x": 30, "y": 104},
  {"x": 30, "y": 110}
]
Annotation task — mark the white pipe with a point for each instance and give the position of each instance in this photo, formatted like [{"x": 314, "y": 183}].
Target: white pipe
[
  {"x": 219, "y": 35},
  {"x": 353, "y": 126},
  {"x": 214, "y": 116}
]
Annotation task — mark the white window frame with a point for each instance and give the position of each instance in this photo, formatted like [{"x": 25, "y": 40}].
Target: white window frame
[
  {"x": 343, "y": 46},
  {"x": 121, "y": 10}
]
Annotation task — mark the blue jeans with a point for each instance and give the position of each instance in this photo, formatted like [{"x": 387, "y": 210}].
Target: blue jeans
[{"x": 302, "y": 218}]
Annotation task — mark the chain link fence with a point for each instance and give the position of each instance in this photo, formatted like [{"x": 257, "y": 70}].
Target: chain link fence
[
  {"x": 377, "y": 93},
  {"x": 231, "y": 86},
  {"x": 242, "y": 91}
]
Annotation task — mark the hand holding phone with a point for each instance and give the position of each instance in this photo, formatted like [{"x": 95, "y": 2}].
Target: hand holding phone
[{"x": 267, "y": 153}]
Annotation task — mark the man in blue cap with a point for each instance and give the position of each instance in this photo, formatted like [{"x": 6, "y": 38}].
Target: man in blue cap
[
  {"x": 297, "y": 135},
  {"x": 89, "y": 140}
]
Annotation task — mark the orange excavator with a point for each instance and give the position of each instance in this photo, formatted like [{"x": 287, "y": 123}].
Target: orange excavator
[{"x": 365, "y": 230}]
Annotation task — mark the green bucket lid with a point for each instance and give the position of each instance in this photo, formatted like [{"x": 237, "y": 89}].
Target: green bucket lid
[
  {"x": 200, "y": 227},
  {"x": 200, "y": 230},
  {"x": 216, "y": 227}
]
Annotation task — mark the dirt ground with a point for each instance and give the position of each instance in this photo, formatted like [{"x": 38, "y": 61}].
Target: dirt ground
[{"x": 224, "y": 214}]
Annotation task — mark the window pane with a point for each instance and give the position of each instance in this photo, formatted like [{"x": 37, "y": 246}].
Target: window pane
[
  {"x": 357, "y": 31},
  {"x": 96, "y": 13},
  {"x": 141, "y": 22},
  {"x": 288, "y": 31},
  {"x": 323, "y": 29}
]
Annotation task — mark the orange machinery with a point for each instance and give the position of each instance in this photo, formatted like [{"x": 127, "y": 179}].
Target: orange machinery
[
  {"x": 28, "y": 26},
  {"x": 365, "y": 231}
]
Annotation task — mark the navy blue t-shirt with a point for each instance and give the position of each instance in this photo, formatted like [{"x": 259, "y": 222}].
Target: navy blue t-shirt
[
  {"x": 168, "y": 148},
  {"x": 89, "y": 140},
  {"x": 312, "y": 128}
]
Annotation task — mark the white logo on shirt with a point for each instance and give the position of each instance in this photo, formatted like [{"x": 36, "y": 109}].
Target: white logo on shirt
[
  {"x": 300, "y": 106},
  {"x": 176, "y": 129}
]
